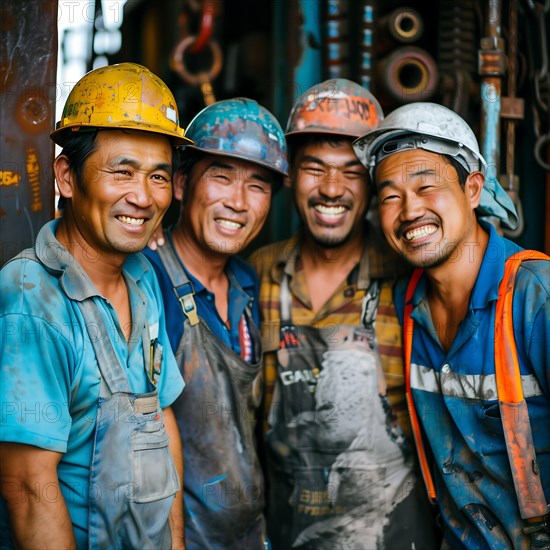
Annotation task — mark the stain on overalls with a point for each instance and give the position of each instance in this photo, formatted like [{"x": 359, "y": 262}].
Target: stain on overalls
[
  {"x": 133, "y": 478},
  {"x": 341, "y": 468},
  {"x": 217, "y": 415}
]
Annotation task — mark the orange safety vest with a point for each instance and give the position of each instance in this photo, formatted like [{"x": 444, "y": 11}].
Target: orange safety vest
[{"x": 518, "y": 436}]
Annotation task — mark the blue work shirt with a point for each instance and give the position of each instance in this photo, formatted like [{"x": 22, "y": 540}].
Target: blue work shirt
[
  {"x": 243, "y": 292},
  {"x": 455, "y": 397},
  {"x": 50, "y": 378}
]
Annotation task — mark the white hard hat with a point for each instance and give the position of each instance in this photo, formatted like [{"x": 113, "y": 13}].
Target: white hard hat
[
  {"x": 439, "y": 130},
  {"x": 420, "y": 125}
]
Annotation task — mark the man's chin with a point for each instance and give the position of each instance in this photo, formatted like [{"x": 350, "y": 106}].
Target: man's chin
[{"x": 331, "y": 241}]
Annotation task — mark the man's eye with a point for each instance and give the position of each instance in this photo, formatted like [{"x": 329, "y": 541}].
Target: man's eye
[
  {"x": 313, "y": 169},
  {"x": 160, "y": 177},
  {"x": 353, "y": 175},
  {"x": 388, "y": 198}
]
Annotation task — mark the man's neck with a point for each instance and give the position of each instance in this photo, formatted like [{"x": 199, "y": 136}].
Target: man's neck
[
  {"x": 325, "y": 268},
  {"x": 453, "y": 281},
  {"x": 451, "y": 285},
  {"x": 205, "y": 265},
  {"x": 322, "y": 257},
  {"x": 103, "y": 268}
]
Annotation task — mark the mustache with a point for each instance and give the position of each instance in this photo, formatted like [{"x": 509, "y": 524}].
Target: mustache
[
  {"x": 329, "y": 202},
  {"x": 406, "y": 225}
]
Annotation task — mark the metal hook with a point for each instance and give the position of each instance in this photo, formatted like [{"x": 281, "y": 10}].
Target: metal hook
[{"x": 205, "y": 31}]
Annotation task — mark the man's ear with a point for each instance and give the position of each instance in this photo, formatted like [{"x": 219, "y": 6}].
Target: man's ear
[
  {"x": 179, "y": 184},
  {"x": 474, "y": 186},
  {"x": 65, "y": 177},
  {"x": 286, "y": 182}
]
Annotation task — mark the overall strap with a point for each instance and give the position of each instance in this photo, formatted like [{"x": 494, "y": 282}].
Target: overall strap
[
  {"x": 182, "y": 285},
  {"x": 518, "y": 436},
  {"x": 112, "y": 372},
  {"x": 408, "y": 326},
  {"x": 285, "y": 299},
  {"x": 370, "y": 305}
]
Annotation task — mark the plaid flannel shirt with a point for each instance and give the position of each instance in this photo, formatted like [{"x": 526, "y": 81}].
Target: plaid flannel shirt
[{"x": 377, "y": 262}]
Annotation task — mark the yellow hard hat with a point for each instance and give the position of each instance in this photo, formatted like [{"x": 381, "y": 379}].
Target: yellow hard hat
[{"x": 126, "y": 95}]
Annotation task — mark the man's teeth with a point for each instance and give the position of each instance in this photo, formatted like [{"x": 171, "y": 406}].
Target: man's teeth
[
  {"x": 330, "y": 210},
  {"x": 419, "y": 232},
  {"x": 131, "y": 221},
  {"x": 229, "y": 224}
]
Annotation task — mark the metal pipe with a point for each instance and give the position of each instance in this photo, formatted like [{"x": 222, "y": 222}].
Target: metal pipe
[
  {"x": 491, "y": 70},
  {"x": 337, "y": 37},
  {"x": 408, "y": 74},
  {"x": 404, "y": 25}
]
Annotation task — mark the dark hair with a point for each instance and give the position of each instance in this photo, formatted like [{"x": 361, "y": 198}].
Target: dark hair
[
  {"x": 299, "y": 141},
  {"x": 77, "y": 148},
  {"x": 462, "y": 173}
]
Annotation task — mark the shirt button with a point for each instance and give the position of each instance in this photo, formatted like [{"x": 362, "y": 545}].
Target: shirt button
[
  {"x": 209, "y": 297},
  {"x": 349, "y": 292},
  {"x": 446, "y": 368}
]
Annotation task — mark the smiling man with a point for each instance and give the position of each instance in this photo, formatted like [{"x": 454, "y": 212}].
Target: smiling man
[
  {"x": 341, "y": 469},
  {"x": 225, "y": 183},
  {"x": 431, "y": 188},
  {"x": 90, "y": 453}
]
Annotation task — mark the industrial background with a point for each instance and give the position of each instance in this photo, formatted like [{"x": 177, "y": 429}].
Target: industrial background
[{"x": 485, "y": 59}]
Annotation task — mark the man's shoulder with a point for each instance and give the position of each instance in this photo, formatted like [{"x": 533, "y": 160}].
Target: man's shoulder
[
  {"x": 533, "y": 280},
  {"x": 28, "y": 287},
  {"x": 264, "y": 258}
]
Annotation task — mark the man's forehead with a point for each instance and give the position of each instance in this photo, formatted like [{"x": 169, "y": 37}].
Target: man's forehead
[{"x": 234, "y": 165}]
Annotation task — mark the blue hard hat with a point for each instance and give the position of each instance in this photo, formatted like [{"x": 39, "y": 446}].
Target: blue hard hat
[{"x": 240, "y": 128}]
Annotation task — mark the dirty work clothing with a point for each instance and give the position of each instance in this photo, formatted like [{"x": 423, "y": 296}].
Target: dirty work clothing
[
  {"x": 455, "y": 397},
  {"x": 342, "y": 472},
  {"x": 243, "y": 286},
  {"x": 216, "y": 415},
  {"x": 50, "y": 377}
]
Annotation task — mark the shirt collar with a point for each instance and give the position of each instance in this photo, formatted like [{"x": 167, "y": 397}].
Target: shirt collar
[{"x": 75, "y": 282}]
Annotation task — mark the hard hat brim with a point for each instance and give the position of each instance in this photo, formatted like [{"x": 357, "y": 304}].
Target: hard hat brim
[
  {"x": 238, "y": 157},
  {"x": 59, "y": 136}
]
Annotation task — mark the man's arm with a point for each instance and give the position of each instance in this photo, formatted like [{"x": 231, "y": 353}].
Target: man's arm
[
  {"x": 39, "y": 517},
  {"x": 176, "y": 514}
]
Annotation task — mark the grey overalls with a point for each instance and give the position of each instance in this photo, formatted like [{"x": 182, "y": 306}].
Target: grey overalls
[
  {"x": 216, "y": 415},
  {"x": 341, "y": 470}
]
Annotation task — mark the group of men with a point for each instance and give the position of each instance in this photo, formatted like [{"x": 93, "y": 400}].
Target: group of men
[{"x": 194, "y": 399}]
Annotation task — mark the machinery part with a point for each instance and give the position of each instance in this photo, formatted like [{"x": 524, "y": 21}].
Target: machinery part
[
  {"x": 243, "y": 129},
  {"x": 491, "y": 70},
  {"x": 451, "y": 135},
  {"x": 512, "y": 110},
  {"x": 337, "y": 106},
  {"x": 404, "y": 25},
  {"x": 28, "y": 64},
  {"x": 337, "y": 36},
  {"x": 368, "y": 15},
  {"x": 408, "y": 74},
  {"x": 457, "y": 37},
  {"x": 541, "y": 146},
  {"x": 207, "y": 22},
  {"x": 126, "y": 95},
  {"x": 196, "y": 79}
]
